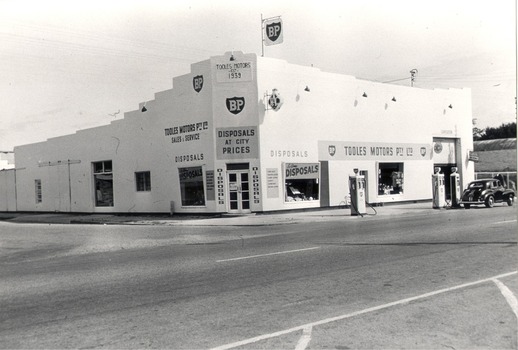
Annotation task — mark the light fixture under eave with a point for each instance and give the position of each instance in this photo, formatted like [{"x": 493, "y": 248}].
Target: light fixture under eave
[
  {"x": 232, "y": 57},
  {"x": 450, "y": 106},
  {"x": 394, "y": 99},
  {"x": 364, "y": 94},
  {"x": 307, "y": 89},
  {"x": 144, "y": 109}
]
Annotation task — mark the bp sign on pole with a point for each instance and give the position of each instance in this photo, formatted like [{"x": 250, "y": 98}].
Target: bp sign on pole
[{"x": 273, "y": 31}]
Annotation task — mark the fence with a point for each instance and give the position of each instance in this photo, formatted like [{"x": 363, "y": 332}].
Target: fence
[{"x": 508, "y": 176}]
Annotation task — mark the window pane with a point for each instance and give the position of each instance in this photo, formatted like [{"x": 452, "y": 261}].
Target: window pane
[
  {"x": 143, "y": 180},
  {"x": 107, "y": 166},
  {"x": 104, "y": 190},
  {"x": 390, "y": 178},
  {"x": 301, "y": 190},
  {"x": 98, "y": 167},
  {"x": 37, "y": 185}
]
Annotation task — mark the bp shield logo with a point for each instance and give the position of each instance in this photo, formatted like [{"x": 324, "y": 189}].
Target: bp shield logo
[
  {"x": 273, "y": 31},
  {"x": 423, "y": 151},
  {"x": 197, "y": 83},
  {"x": 275, "y": 101},
  {"x": 235, "y": 104},
  {"x": 332, "y": 150}
]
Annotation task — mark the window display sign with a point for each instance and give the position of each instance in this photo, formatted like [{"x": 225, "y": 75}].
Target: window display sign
[
  {"x": 340, "y": 150},
  {"x": 237, "y": 143},
  {"x": 302, "y": 170}
]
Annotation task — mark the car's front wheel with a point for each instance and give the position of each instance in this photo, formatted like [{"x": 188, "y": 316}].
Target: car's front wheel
[
  {"x": 490, "y": 201},
  {"x": 467, "y": 206},
  {"x": 510, "y": 200}
]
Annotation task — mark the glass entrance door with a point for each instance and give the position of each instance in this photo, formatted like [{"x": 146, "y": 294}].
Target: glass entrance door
[{"x": 239, "y": 191}]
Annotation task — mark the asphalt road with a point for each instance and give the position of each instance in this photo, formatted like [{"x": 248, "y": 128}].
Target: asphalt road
[{"x": 444, "y": 279}]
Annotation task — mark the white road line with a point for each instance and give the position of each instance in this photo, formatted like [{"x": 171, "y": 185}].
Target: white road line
[
  {"x": 504, "y": 222},
  {"x": 508, "y": 295},
  {"x": 269, "y": 254},
  {"x": 304, "y": 339},
  {"x": 356, "y": 313}
]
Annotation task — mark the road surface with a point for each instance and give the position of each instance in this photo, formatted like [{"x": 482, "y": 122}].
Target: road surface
[{"x": 441, "y": 279}]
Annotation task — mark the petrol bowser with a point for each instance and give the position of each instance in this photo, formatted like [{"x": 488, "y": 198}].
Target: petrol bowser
[
  {"x": 455, "y": 189},
  {"x": 439, "y": 191},
  {"x": 357, "y": 192}
]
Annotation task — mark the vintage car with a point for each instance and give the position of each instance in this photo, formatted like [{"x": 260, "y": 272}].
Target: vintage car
[{"x": 487, "y": 192}]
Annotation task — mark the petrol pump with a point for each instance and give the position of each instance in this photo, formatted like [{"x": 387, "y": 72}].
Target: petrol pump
[
  {"x": 439, "y": 192},
  {"x": 357, "y": 192},
  {"x": 455, "y": 189}
]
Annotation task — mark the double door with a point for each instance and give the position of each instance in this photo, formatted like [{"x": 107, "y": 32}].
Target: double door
[{"x": 238, "y": 191}]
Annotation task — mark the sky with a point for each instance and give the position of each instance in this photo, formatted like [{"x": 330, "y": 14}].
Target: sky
[{"x": 72, "y": 65}]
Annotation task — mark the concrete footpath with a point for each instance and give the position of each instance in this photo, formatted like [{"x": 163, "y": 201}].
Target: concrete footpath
[{"x": 260, "y": 219}]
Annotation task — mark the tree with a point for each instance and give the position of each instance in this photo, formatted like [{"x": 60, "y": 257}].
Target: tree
[
  {"x": 477, "y": 132},
  {"x": 504, "y": 131}
]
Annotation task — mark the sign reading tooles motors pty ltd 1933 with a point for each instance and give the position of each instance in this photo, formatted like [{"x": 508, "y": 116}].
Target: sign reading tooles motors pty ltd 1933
[{"x": 233, "y": 71}]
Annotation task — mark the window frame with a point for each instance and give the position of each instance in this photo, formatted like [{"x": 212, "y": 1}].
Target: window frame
[
  {"x": 146, "y": 181},
  {"x": 391, "y": 190},
  {"x": 194, "y": 179},
  {"x": 103, "y": 168},
  {"x": 38, "y": 191},
  {"x": 311, "y": 180}
]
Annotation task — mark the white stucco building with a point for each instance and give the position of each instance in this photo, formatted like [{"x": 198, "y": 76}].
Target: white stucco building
[{"x": 214, "y": 144}]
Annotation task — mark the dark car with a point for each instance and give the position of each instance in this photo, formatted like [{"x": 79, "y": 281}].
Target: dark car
[{"x": 487, "y": 192}]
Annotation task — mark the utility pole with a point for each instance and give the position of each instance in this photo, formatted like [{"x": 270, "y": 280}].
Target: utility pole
[{"x": 413, "y": 74}]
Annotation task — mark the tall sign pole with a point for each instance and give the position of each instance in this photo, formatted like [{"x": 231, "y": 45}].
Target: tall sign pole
[{"x": 262, "y": 36}]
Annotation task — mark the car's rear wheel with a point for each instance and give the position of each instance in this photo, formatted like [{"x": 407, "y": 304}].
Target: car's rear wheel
[
  {"x": 510, "y": 200},
  {"x": 490, "y": 201},
  {"x": 467, "y": 206}
]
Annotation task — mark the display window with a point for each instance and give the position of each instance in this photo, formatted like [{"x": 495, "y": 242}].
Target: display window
[
  {"x": 301, "y": 182},
  {"x": 390, "y": 178},
  {"x": 191, "y": 186},
  {"x": 103, "y": 179}
]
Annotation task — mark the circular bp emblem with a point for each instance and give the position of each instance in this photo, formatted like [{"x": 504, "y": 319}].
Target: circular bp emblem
[{"x": 437, "y": 147}]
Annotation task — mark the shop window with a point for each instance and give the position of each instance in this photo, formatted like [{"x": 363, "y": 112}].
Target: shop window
[
  {"x": 103, "y": 179},
  {"x": 390, "y": 178},
  {"x": 301, "y": 182},
  {"x": 37, "y": 187},
  {"x": 191, "y": 186},
  {"x": 143, "y": 181}
]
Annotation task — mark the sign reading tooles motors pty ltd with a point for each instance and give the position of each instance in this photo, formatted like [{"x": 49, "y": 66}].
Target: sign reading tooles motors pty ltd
[
  {"x": 237, "y": 143},
  {"x": 340, "y": 150}
]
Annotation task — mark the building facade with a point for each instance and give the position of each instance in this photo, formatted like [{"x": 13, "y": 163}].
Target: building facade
[{"x": 241, "y": 133}]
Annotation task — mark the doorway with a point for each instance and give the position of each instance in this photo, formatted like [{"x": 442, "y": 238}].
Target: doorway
[{"x": 238, "y": 191}]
